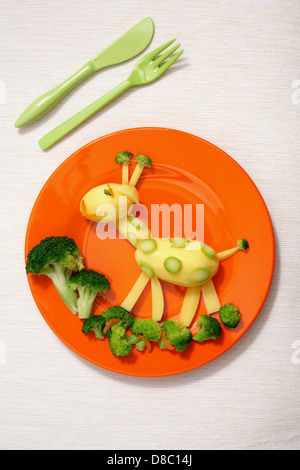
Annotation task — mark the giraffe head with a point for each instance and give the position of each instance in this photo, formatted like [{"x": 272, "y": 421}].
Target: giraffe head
[
  {"x": 108, "y": 201},
  {"x": 112, "y": 201}
]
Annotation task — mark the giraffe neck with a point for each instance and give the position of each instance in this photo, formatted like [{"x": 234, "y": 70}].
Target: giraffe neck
[{"x": 133, "y": 229}]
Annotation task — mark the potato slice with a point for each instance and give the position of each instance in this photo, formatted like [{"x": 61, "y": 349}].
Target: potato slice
[
  {"x": 190, "y": 305},
  {"x": 210, "y": 297},
  {"x": 157, "y": 299},
  {"x": 135, "y": 292}
]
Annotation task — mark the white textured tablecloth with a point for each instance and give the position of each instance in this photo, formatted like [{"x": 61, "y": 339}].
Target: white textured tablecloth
[{"x": 237, "y": 87}]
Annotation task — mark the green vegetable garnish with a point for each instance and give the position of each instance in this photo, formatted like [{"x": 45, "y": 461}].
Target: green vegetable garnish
[
  {"x": 199, "y": 275},
  {"x": 229, "y": 315},
  {"x": 148, "y": 246},
  {"x": 179, "y": 242},
  {"x": 123, "y": 157},
  {"x": 89, "y": 285},
  {"x": 177, "y": 334},
  {"x": 57, "y": 258},
  {"x": 148, "y": 328},
  {"x": 210, "y": 328},
  {"x": 173, "y": 265},
  {"x": 147, "y": 269},
  {"x": 243, "y": 244}
]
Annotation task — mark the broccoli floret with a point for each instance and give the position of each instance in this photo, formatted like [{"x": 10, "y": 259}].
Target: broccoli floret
[
  {"x": 142, "y": 160},
  {"x": 229, "y": 315},
  {"x": 210, "y": 328},
  {"x": 126, "y": 318},
  {"x": 95, "y": 323},
  {"x": 57, "y": 258},
  {"x": 177, "y": 334},
  {"x": 149, "y": 329},
  {"x": 89, "y": 284},
  {"x": 119, "y": 342},
  {"x": 123, "y": 158},
  {"x": 242, "y": 244}
]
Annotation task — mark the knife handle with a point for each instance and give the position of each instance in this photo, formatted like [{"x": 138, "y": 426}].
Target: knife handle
[
  {"x": 47, "y": 101},
  {"x": 63, "y": 129}
]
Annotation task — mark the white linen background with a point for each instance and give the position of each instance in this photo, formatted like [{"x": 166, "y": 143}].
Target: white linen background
[{"x": 234, "y": 88}]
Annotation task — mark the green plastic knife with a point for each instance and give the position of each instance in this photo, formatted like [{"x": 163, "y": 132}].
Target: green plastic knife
[{"x": 129, "y": 45}]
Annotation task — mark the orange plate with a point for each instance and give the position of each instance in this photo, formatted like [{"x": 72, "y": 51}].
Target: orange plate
[{"x": 186, "y": 169}]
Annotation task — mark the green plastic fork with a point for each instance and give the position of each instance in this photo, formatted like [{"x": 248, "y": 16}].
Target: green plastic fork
[{"x": 148, "y": 69}]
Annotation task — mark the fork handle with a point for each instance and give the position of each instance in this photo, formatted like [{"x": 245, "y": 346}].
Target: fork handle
[{"x": 63, "y": 129}]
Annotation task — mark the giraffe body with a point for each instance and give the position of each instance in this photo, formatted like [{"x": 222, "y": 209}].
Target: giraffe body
[{"x": 186, "y": 266}]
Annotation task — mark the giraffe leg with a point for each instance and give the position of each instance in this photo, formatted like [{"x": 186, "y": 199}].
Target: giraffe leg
[
  {"x": 157, "y": 299},
  {"x": 190, "y": 305},
  {"x": 210, "y": 297},
  {"x": 135, "y": 292}
]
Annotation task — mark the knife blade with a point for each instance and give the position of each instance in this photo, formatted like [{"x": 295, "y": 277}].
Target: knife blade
[{"x": 127, "y": 46}]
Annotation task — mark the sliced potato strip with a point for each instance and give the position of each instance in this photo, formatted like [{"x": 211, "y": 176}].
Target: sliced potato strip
[
  {"x": 223, "y": 255},
  {"x": 190, "y": 305},
  {"x": 125, "y": 174},
  {"x": 210, "y": 297},
  {"x": 136, "y": 175},
  {"x": 157, "y": 299},
  {"x": 135, "y": 292}
]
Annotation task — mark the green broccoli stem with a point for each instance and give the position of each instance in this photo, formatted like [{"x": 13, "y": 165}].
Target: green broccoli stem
[
  {"x": 140, "y": 345},
  {"x": 60, "y": 275},
  {"x": 161, "y": 344},
  {"x": 85, "y": 302},
  {"x": 201, "y": 335},
  {"x": 98, "y": 333},
  {"x": 132, "y": 339}
]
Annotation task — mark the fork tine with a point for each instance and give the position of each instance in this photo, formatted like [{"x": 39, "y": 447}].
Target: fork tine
[
  {"x": 157, "y": 51},
  {"x": 167, "y": 54},
  {"x": 170, "y": 62}
]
